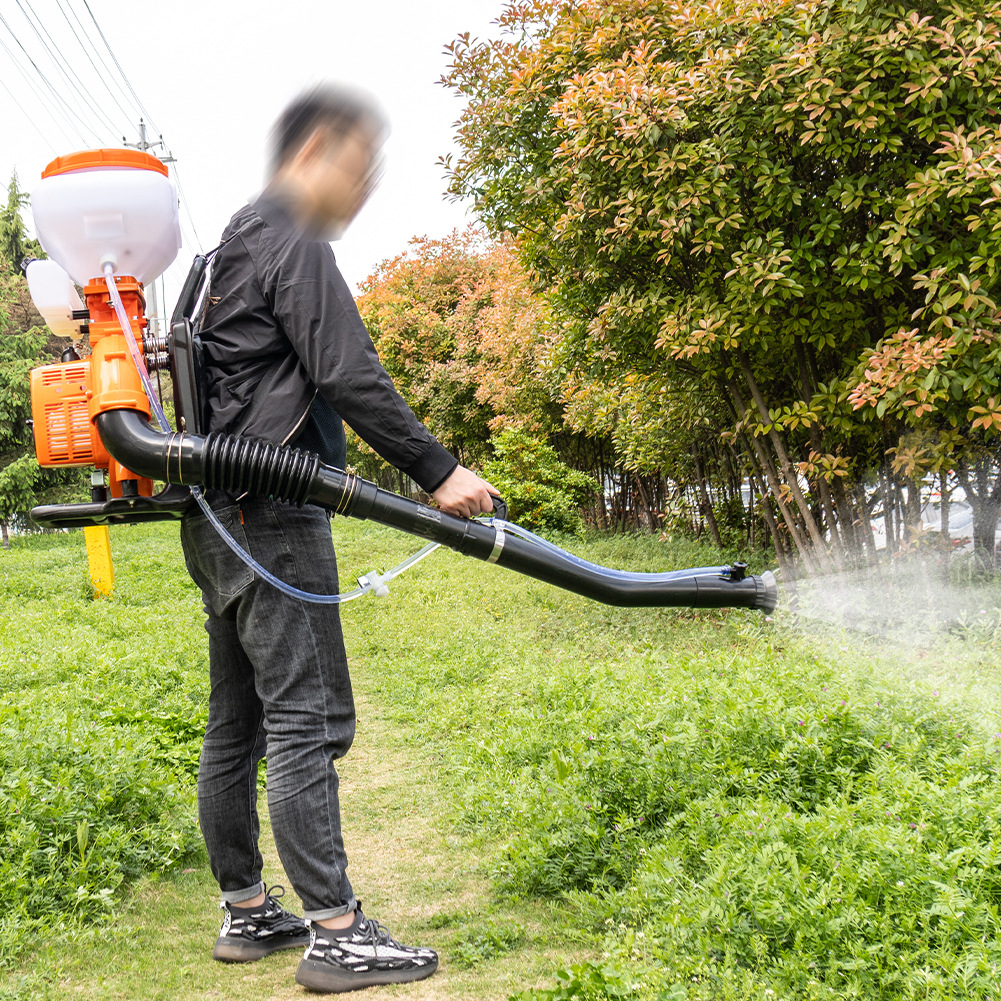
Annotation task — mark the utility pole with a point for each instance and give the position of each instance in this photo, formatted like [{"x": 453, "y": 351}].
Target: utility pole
[{"x": 145, "y": 147}]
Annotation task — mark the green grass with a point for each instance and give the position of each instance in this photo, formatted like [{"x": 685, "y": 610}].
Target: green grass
[{"x": 637, "y": 803}]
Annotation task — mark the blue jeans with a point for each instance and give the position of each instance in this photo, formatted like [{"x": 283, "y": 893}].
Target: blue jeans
[{"x": 279, "y": 688}]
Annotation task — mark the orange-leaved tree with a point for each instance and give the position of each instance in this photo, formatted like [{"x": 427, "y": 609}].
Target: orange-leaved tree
[
  {"x": 463, "y": 336},
  {"x": 749, "y": 196}
]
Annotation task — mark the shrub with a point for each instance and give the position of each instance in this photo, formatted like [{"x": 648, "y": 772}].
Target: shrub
[
  {"x": 756, "y": 830},
  {"x": 100, "y": 726},
  {"x": 542, "y": 492}
]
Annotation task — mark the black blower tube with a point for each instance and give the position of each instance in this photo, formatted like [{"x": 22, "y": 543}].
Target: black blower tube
[{"x": 243, "y": 465}]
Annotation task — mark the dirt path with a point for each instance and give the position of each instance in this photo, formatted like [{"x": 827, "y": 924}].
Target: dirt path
[{"x": 411, "y": 869}]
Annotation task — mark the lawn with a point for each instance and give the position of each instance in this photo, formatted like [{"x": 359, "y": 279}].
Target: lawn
[{"x": 567, "y": 800}]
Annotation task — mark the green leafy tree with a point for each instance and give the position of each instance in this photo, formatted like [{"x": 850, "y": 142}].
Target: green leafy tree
[
  {"x": 542, "y": 492},
  {"x": 24, "y": 344},
  {"x": 20, "y": 474},
  {"x": 411, "y": 307},
  {"x": 754, "y": 195},
  {"x": 461, "y": 333},
  {"x": 15, "y": 244}
]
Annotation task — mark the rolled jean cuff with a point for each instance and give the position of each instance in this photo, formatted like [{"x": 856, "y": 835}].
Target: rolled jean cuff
[
  {"x": 331, "y": 912},
  {"x": 239, "y": 896}
]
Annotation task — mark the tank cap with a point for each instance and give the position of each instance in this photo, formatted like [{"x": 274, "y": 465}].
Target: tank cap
[{"x": 90, "y": 159}]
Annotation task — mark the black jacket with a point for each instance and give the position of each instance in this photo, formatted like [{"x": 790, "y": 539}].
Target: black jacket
[{"x": 281, "y": 327}]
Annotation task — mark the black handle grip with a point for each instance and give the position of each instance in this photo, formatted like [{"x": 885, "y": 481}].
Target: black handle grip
[{"x": 500, "y": 507}]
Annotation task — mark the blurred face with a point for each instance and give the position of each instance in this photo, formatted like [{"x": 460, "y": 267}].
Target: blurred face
[{"x": 342, "y": 172}]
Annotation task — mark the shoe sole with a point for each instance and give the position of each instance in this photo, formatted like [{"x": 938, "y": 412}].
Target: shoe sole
[
  {"x": 241, "y": 951},
  {"x": 324, "y": 978}
]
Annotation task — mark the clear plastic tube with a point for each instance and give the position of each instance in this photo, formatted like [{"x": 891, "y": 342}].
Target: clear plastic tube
[
  {"x": 371, "y": 582},
  {"x": 624, "y": 575},
  {"x": 130, "y": 343}
]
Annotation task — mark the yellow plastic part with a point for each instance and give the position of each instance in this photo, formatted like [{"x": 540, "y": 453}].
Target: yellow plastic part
[{"x": 102, "y": 569}]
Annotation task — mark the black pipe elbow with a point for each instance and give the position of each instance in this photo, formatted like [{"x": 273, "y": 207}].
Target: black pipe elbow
[{"x": 130, "y": 439}]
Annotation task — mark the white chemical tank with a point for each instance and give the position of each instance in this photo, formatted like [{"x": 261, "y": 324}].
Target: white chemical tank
[
  {"x": 102, "y": 205},
  {"x": 55, "y": 297}
]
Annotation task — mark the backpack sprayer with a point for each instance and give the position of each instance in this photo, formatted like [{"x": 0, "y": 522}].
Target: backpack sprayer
[{"x": 112, "y": 213}]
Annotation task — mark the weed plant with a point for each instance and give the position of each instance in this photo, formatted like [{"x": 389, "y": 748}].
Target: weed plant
[
  {"x": 740, "y": 808},
  {"x": 102, "y": 707},
  {"x": 729, "y": 808}
]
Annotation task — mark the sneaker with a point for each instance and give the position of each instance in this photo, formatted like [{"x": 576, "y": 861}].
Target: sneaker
[
  {"x": 248, "y": 933},
  {"x": 360, "y": 956}
]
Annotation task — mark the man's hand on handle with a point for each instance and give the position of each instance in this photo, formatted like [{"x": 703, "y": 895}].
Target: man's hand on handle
[{"x": 465, "y": 494}]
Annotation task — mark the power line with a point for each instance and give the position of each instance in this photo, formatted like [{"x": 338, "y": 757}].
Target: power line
[
  {"x": 50, "y": 94},
  {"x": 34, "y": 124},
  {"x": 31, "y": 87},
  {"x": 82, "y": 112},
  {"x": 39, "y": 93},
  {"x": 62, "y": 64},
  {"x": 97, "y": 72},
  {"x": 59, "y": 102},
  {"x": 146, "y": 114},
  {"x": 105, "y": 73},
  {"x": 184, "y": 203}
]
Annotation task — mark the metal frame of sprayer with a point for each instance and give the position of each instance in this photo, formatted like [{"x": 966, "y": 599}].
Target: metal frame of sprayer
[{"x": 95, "y": 411}]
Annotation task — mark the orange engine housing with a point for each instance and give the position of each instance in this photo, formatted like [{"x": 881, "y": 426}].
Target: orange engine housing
[{"x": 66, "y": 397}]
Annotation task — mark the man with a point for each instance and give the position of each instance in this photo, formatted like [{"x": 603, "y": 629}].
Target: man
[{"x": 286, "y": 354}]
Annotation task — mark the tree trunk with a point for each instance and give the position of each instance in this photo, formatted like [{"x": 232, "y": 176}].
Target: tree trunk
[
  {"x": 946, "y": 500},
  {"x": 769, "y": 476},
  {"x": 889, "y": 501},
  {"x": 792, "y": 479},
  {"x": 853, "y": 534},
  {"x": 983, "y": 493},
  {"x": 945, "y": 547},
  {"x": 707, "y": 507},
  {"x": 766, "y": 513},
  {"x": 3, "y": 534},
  {"x": 823, "y": 487},
  {"x": 644, "y": 499},
  {"x": 864, "y": 522},
  {"x": 912, "y": 510}
]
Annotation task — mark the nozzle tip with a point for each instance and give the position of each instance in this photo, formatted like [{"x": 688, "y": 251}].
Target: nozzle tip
[{"x": 767, "y": 597}]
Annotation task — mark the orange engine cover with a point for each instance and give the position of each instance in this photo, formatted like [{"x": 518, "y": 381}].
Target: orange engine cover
[
  {"x": 60, "y": 410},
  {"x": 62, "y": 399},
  {"x": 67, "y": 397}
]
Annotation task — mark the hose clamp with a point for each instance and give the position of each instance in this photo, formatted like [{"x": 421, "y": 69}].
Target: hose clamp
[
  {"x": 176, "y": 437},
  {"x": 498, "y": 545},
  {"x": 346, "y": 502}
]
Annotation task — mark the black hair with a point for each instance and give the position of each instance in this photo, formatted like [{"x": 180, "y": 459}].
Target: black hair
[{"x": 334, "y": 106}]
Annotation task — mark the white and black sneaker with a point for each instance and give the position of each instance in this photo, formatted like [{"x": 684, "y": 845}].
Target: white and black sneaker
[
  {"x": 248, "y": 933},
  {"x": 360, "y": 956}
]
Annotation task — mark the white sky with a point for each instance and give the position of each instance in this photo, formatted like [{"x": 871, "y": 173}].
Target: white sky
[{"x": 214, "y": 74}]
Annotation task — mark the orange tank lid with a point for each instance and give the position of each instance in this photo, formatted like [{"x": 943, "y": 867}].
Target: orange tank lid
[{"x": 89, "y": 159}]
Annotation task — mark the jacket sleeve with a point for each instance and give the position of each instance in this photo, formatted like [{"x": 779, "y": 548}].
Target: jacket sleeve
[{"x": 312, "y": 302}]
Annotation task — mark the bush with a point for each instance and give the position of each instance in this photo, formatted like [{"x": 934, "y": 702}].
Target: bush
[
  {"x": 100, "y": 726},
  {"x": 764, "y": 830},
  {"x": 542, "y": 492}
]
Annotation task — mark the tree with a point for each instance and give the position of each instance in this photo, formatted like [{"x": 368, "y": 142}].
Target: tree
[
  {"x": 21, "y": 478},
  {"x": 15, "y": 244},
  {"x": 458, "y": 329},
  {"x": 411, "y": 307},
  {"x": 24, "y": 344},
  {"x": 753, "y": 195}
]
